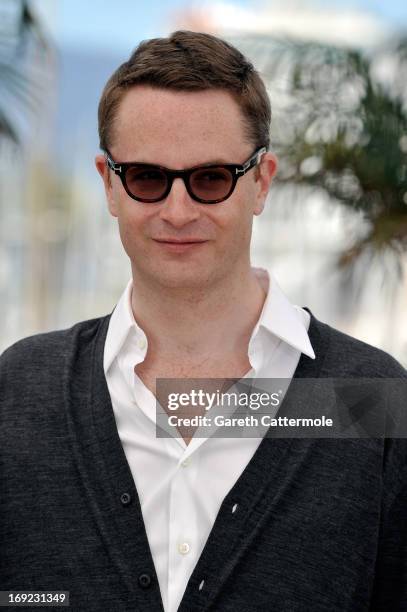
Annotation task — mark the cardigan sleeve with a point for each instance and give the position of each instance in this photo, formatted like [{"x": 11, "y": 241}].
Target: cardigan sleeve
[{"x": 390, "y": 584}]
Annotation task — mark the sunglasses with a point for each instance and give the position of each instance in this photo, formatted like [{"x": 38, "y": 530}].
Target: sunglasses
[{"x": 205, "y": 184}]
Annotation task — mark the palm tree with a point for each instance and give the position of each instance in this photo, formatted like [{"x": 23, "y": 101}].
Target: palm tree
[
  {"x": 343, "y": 129},
  {"x": 26, "y": 72},
  {"x": 23, "y": 49}
]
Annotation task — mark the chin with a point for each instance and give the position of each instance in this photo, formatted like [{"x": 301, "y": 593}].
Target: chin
[
  {"x": 187, "y": 277},
  {"x": 188, "y": 280}
]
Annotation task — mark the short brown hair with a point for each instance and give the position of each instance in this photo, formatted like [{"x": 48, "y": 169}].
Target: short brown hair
[{"x": 190, "y": 61}]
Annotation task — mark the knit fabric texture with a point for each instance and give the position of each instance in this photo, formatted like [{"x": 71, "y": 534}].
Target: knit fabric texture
[{"x": 317, "y": 524}]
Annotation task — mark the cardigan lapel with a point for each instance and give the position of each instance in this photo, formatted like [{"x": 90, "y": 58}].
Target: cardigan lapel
[{"x": 104, "y": 470}]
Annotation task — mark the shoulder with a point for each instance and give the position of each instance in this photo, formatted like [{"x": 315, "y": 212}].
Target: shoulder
[
  {"x": 47, "y": 350},
  {"x": 345, "y": 355}
]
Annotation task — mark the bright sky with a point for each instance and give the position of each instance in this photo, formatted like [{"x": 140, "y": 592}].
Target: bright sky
[{"x": 118, "y": 25}]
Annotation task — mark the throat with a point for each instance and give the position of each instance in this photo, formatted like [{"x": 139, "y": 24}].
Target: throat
[{"x": 234, "y": 367}]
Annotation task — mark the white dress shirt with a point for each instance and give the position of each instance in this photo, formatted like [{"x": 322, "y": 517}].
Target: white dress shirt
[{"x": 181, "y": 487}]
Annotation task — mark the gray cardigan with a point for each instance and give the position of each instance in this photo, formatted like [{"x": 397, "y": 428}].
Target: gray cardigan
[{"x": 321, "y": 525}]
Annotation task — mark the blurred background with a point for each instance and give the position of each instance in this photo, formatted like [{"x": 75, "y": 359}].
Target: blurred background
[{"x": 334, "y": 231}]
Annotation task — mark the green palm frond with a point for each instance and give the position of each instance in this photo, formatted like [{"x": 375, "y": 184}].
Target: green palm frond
[
  {"x": 341, "y": 128},
  {"x": 24, "y": 55}
]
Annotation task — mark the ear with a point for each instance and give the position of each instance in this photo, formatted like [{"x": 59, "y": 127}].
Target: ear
[
  {"x": 266, "y": 171},
  {"x": 104, "y": 171}
]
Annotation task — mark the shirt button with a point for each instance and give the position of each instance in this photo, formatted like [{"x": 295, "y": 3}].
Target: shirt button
[
  {"x": 141, "y": 343},
  {"x": 125, "y": 498},
  {"x": 186, "y": 462},
  {"x": 184, "y": 548},
  {"x": 144, "y": 580}
]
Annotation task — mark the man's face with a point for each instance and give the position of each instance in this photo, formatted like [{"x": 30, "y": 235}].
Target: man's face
[{"x": 180, "y": 130}]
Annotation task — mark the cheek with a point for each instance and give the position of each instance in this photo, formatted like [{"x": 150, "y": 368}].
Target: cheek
[
  {"x": 242, "y": 211},
  {"x": 131, "y": 227},
  {"x": 137, "y": 223},
  {"x": 244, "y": 219},
  {"x": 234, "y": 226}
]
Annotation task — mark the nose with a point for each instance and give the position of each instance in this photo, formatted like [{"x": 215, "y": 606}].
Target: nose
[{"x": 179, "y": 208}]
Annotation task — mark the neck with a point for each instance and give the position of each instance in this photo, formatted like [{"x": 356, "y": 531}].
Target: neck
[{"x": 185, "y": 321}]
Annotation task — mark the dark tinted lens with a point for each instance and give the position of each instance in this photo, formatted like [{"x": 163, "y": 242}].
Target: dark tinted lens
[
  {"x": 146, "y": 183},
  {"x": 211, "y": 183}
]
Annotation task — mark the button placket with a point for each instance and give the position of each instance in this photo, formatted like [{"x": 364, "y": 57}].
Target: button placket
[
  {"x": 181, "y": 528},
  {"x": 184, "y": 548}
]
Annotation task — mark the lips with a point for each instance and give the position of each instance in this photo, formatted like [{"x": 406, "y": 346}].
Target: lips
[
  {"x": 179, "y": 246},
  {"x": 177, "y": 241}
]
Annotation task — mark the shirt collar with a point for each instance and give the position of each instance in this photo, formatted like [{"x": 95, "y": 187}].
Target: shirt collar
[
  {"x": 279, "y": 317},
  {"x": 121, "y": 323}
]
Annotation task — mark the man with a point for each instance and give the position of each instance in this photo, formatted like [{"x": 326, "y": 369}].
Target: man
[{"x": 93, "y": 500}]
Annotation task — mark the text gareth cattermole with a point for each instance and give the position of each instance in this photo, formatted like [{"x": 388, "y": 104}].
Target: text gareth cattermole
[{"x": 208, "y": 400}]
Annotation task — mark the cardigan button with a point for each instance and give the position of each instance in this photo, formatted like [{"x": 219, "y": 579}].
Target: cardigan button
[
  {"x": 125, "y": 498},
  {"x": 144, "y": 580}
]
